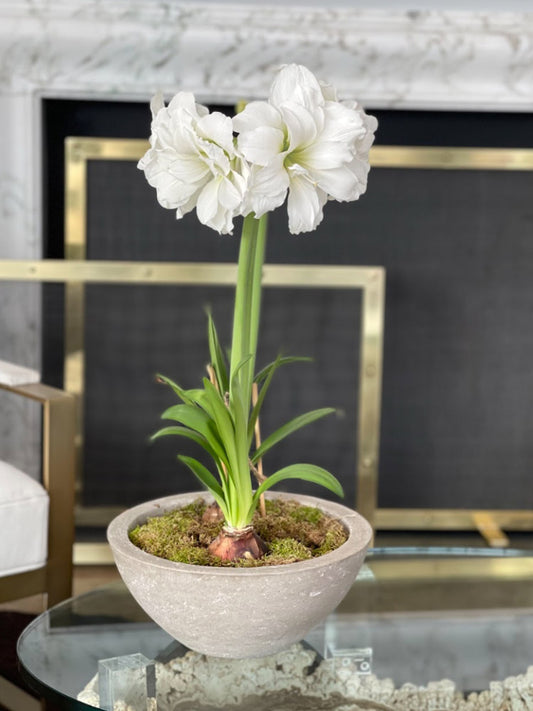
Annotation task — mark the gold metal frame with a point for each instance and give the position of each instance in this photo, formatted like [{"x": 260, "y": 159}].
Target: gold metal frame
[
  {"x": 488, "y": 522},
  {"x": 371, "y": 280},
  {"x": 75, "y": 273},
  {"x": 58, "y": 463}
]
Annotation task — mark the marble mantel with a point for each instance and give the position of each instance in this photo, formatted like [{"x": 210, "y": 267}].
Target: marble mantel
[{"x": 127, "y": 49}]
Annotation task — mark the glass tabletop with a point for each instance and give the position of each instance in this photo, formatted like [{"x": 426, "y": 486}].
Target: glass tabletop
[{"x": 413, "y": 620}]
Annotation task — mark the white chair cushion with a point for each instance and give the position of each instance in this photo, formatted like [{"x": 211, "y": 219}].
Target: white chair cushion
[
  {"x": 23, "y": 521},
  {"x": 11, "y": 374}
]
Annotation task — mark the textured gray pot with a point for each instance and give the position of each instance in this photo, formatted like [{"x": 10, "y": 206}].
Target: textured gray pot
[{"x": 238, "y": 612}]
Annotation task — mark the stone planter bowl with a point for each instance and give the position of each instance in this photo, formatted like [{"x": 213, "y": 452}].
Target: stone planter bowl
[{"x": 238, "y": 612}]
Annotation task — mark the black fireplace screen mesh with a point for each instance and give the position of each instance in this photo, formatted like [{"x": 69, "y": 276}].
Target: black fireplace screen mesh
[
  {"x": 457, "y": 408},
  {"x": 457, "y": 400},
  {"x": 133, "y": 332}
]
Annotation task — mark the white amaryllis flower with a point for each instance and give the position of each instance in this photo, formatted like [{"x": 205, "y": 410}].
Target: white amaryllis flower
[
  {"x": 305, "y": 142},
  {"x": 192, "y": 162}
]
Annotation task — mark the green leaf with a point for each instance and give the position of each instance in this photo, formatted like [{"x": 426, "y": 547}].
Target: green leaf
[
  {"x": 307, "y": 472},
  {"x": 239, "y": 367},
  {"x": 290, "y": 427},
  {"x": 199, "y": 421},
  {"x": 196, "y": 395},
  {"x": 190, "y": 415},
  {"x": 242, "y": 448},
  {"x": 189, "y": 434},
  {"x": 203, "y": 400},
  {"x": 206, "y": 478},
  {"x": 189, "y": 397},
  {"x": 238, "y": 409},
  {"x": 223, "y": 423},
  {"x": 219, "y": 408},
  {"x": 217, "y": 356},
  {"x": 180, "y": 392},
  {"x": 260, "y": 399},
  {"x": 283, "y": 360}
]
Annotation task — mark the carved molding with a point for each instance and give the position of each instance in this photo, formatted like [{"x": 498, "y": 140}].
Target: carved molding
[{"x": 405, "y": 59}]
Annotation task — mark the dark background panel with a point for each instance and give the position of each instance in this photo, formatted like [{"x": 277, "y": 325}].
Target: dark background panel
[
  {"x": 132, "y": 333},
  {"x": 457, "y": 412}
]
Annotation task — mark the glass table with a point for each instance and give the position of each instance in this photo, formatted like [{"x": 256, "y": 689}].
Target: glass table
[{"x": 420, "y": 629}]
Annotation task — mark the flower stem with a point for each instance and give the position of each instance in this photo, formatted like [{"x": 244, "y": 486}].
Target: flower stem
[
  {"x": 242, "y": 365},
  {"x": 248, "y": 304}
]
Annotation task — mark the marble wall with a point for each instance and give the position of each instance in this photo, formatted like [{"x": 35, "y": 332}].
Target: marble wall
[{"x": 122, "y": 49}]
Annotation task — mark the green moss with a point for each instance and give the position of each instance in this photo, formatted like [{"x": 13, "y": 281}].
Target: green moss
[
  {"x": 309, "y": 514},
  {"x": 287, "y": 519},
  {"x": 334, "y": 537},
  {"x": 291, "y": 532},
  {"x": 289, "y": 549},
  {"x": 192, "y": 554}
]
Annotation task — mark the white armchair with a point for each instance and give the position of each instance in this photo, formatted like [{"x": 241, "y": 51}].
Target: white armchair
[{"x": 37, "y": 519}]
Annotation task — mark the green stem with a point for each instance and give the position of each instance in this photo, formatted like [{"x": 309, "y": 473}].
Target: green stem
[
  {"x": 257, "y": 288},
  {"x": 248, "y": 302},
  {"x": 244, "y": 346}
]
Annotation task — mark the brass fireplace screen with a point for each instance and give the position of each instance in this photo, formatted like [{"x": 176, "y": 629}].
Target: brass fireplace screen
[{"x": 76, "y": 272}]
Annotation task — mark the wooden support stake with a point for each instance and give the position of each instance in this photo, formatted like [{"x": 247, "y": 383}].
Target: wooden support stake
[{"x": 258, "y": 471}]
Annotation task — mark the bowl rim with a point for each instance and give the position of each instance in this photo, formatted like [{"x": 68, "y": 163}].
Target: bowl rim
[{"x": 359, "y": 536}]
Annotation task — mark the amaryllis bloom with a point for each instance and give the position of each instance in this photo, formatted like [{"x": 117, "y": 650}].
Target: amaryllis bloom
[
  {"x": 192, "y": 162},
  {"x": 304, "y": 142}
]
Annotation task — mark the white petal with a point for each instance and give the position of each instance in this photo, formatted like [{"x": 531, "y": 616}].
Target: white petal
[
  {"x": 272, "y": 177},
  {"x": 295, "y": 83},
  {"x": 342, "y": 123},
  {"x": 240, "y": 177},
  {"x": 261, "y": 145},
  {"x": 145, "y": 160},
  {"x": 328, "y": 91},
  {"x": 364, "y": 144},
  {"x": 184, "y": 101},
  {"x": 157, "y": 103},
  {"x": 207, "y": 204},
  {"x": 323, "y": 155},
  {"x": 162, "y": 131},
  {"x": 340, "y": 183},
  {"x": 183, "y": 168},
  {"x": 218, "y": 128},
  {"x": 186, "y": 207},
  {"x": 304, "y": 206},
  {"x": 214, "y": 156},
  {"x": 302, "y": 125},
  {"x": 268, "y": 187},
  {"x": 171, "y": 132},
  {"x": 256, "y": 114},
  {"x": 210, "y": 210},
  {"x": 172, "y": 193},
  {"x": 360, "y": 169},
  {"x": 229, "y": 195},
  {"x": 186, "y": 168}
]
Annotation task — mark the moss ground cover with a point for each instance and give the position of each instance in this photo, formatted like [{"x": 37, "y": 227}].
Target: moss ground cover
[{"x": 291, "y": 531}]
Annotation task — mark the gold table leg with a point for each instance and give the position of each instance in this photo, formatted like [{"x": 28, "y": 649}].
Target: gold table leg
[{"x": 490, "y": 530}]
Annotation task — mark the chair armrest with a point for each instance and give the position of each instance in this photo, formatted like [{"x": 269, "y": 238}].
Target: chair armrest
[
  {"x": 12, "y": 374},
  {"x": 58, "y": 472}
]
